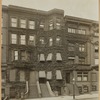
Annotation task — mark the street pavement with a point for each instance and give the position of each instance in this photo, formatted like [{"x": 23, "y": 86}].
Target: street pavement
[{"x": 90, "y": 96}]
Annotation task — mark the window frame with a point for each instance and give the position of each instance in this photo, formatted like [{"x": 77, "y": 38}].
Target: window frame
[
  {"x": 58, "y": 42},
  {"x": 31, "y": 42},
  {"x": 29, "y": 24},
  {"x": 21, "y": 24},
  {"x": 42, "y": 40},
  {"x": 71, "y": 30},
  {"x": 16, "y": 22},
  {"x": 14, "y": 39},
  {"x": 21, "y": 39},
  {"x": 82, "y": 75},
  {"x": 50, "y": 41}
]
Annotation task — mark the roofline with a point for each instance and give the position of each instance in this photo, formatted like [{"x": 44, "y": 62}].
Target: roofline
[
  {"x": 81, "y": 19},
  {"x": 4, "y": 7},
  {"x": 53, "y": 11}
]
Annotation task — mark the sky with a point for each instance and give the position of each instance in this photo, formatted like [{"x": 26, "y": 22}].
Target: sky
[{"x": 79, "y": 8}]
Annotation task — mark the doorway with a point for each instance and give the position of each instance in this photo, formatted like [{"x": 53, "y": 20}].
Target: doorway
[
  {"x": 67, "y": 77},
  {"x": 42, "y": 80}
]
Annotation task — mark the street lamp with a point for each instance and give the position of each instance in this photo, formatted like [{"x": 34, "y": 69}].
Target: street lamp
[{"x": 73, "y": 88}]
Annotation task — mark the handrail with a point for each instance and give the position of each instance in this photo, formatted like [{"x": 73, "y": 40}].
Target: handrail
[
  {"x": 39, "y": 90},
  {"x": 49, "y": 89},
  {"x": 27, "y": 88},
  {"x": 6, "y": 98}
]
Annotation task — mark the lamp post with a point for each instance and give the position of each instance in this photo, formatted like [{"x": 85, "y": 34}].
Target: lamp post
[{"x": 73, "y": 88}]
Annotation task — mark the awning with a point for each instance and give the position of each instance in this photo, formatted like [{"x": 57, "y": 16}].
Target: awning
[
  {"x": 58, "y": 57},
  {"x": 49, "y": 75},
  {"x": 58, "y": 75},
  {"x": 42, "y": 74},
  {"x": 49, "y": 57},
  {"x": 42, "y": 58}
]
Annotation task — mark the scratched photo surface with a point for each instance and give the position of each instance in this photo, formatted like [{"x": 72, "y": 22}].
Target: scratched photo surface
[{"x": 50, "y": 49}]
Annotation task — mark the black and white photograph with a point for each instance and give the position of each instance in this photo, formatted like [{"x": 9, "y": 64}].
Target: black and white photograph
[{"x": 50, "y": 50}]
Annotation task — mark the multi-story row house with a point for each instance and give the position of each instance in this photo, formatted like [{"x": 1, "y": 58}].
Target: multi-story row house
[{"x": 47, "y": 53}]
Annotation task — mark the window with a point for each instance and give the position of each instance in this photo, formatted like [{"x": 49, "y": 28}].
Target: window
[
  {"x": 12, "y": 92},
  {"x": 80, "y": 89},
  {"x": 58, "y": 75},
  {"x": 81, "y": 60},
  {"x": 51, "y": 26},
  {"x": 58, "y": 57},
  {"x": 79, "y": 76},
  {"x": 41, "y": 57},
  {"x": 3, "y": 93},
  {"x": 96, "y": 34},
  {"x": 32, "y": 40},
  {"x": 85, "y": 88},
  {"x": 42, "y": 40},
  {"x": 42, "y": 24},
  {"x": 25, "y": 55},
  {"x": 13, "y": 22},
  {"x": 82, "y": 76},
  {"x": 81, "y": 31},
  {"x": 15, "y": 55},
  {"x": 22, "y": 39},
  {"x": 71, "y": 60},
  {"x": 50, "y": 41},
  {"x": 58, "y": 25},
  {"x": 71, "y": 30},
  {"x": 71, "y": 47},
  {"x": 81, "y": 48},
  {"x": 94, "y": 88},
  {"x": 49, "y": 57},
  {"x": 85, "y": 76},
  {"x": 12, "y": 75},
  {"x": 94, "y": 77},
  {"x": 22, "y": 76},
  {"x": 29, "y": 56},
  {"x": 96, "y": 49},
  {"x": 58, "y": 40},
  {"x": 31, "y": 24},
  {"x": 14, "y": 38},
  {"x": 49, "y": 75},
  {"x": 96, "y": 61},
  {"x": 22, "y": 23},
  {"x": 3, "y": 76}
]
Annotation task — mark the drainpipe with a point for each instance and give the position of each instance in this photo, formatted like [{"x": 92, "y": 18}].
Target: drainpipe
[{"x": 27, "y": 88}]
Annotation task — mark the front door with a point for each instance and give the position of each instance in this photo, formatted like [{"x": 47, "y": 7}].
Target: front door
[
  {"x": 67, "y": 77},
  {"x": 42, "y": 80}
]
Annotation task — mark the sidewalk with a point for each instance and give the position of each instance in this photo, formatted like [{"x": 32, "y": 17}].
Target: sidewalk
[{"x": 84, "y": 96}]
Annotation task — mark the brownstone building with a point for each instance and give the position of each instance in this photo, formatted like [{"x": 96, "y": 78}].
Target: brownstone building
[{"x": 48, "y": 53}]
